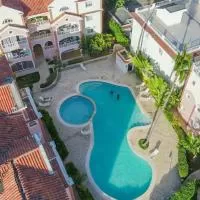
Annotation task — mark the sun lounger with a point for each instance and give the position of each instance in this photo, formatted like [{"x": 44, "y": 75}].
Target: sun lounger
[
  {"x": 46, "y": 99},
  {"x": 44, "y": 104},
  {"x": 154, "y": 153}
]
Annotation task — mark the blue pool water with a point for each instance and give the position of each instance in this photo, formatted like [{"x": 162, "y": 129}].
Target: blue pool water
[
  {"x": 76, "y": 110},
  {"x": 115, "y": 168}
]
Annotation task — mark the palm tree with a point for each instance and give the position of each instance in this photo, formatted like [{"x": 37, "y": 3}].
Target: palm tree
[{"x": 181, "y": 69}]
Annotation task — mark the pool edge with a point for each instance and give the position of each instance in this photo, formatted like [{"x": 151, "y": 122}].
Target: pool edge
[{"x": 96, "y": 187}]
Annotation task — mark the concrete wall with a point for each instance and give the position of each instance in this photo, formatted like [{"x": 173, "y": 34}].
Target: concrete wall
[{"x": 152, "y": 48}]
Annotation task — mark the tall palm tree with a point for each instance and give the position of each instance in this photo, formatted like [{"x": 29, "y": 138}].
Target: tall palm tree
[{"x": 181, "y": 68}]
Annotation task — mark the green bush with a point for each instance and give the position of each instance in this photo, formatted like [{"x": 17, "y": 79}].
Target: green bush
[
  {"x": 60, "y": 146},
  {"x": 186, "y": 192},
  {"x": 98, "y": 45},
  {"x": 28, "y": 80},
  {"x": 50, "y": 79},
  {"x": 83, "y": 192},
  {"x": 143, "y": 143},
  {"x": 183, "y": 167},
  {"x": 118, "y": 33}
]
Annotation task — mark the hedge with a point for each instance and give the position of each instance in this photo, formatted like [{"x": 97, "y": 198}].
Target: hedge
[
  {"x": 183, "y": 167},
  {"x": 186, "y": 192},
  {"x": 28, "y": 80},
  {"x": 118, "y": 33},
  {"x": 60, "y": 146},
  {"x": 83, "y": 192}
]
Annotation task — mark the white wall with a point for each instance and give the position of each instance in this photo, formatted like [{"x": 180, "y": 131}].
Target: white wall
[
  {"x": 152, "y": 48},
  {"x": 56, "y": 5},
  {"x": 96, "y": 5},
  {"x": 9, "y": 13},
  {"x": 95, "y": 23}
]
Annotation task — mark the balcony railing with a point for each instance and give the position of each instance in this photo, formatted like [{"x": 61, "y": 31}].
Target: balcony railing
[
  {"x": 13, "y": 44},
  {"x": 65, "y": 44},
  {"x": 22, "y": 54},
  {"x": 67, "y": 31},
  {"x": 36, "y": 37}
]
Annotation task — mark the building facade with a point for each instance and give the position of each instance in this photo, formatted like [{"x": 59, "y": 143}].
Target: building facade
[
  {"x": 161, "y": 31},
  {"x": 33, "y": 29}
]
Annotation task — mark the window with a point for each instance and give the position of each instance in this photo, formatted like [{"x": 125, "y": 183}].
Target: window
[
  {"x": 88, "y": 4},
  {"x": 193, "y": 83},
  {"x": 89, "y": 18},
  {"x": 64, "y": 8},
  {"x": 90, "y": 30},
  {"x": 7, "y": 21}
]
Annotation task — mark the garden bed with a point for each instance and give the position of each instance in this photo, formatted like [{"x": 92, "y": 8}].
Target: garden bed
[
  {"x": 28, "y": 80},
  {"x": 60, "y": 146}
]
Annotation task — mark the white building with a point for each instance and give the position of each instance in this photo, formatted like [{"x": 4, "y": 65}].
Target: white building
[
  {"x": 48, "y": 28},
  {"x": 167, "y": 27}
]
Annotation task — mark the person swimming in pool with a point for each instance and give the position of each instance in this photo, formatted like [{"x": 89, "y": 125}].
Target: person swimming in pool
[
  {"x": 118, "y": 96},
  {"x": 111, "y": 92}
]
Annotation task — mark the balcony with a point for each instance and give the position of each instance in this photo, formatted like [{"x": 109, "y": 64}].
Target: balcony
[
  {"x": 19, "y": 55},
  {"x": 38, "y": 23},
  {"x": 68, "y": 29},
  {"x": 13, "y": 43},
  {"x": 40, "y": 35}
]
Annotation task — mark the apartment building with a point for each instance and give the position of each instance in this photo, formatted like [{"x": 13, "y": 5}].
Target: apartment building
[
  {"x": 161, "y": 31},
  {"x": 30, "y": 166},
  {"x": 33, "y": 29}
]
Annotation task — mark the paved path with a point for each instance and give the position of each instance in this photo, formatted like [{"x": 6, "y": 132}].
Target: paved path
[{"x": 166, "y": 178}]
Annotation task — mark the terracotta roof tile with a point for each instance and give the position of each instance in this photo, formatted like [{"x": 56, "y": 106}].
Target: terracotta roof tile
[
  {"x": 7, "y": 102},
  {"x": 11, "y": 188},
  {"x": 5, "y": 70},
  {"x": 35, "y": 179}
]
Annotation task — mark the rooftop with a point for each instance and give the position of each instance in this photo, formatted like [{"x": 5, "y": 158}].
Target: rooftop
[{"x": 181, "y": 32}]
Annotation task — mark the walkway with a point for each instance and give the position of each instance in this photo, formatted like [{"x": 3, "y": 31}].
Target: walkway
[
  {"x": 166, "y": 177},
  {"x": 44, "y": 73}
]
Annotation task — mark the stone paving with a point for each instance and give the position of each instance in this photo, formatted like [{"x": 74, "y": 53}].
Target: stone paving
[{"x": 166, "y": 178}]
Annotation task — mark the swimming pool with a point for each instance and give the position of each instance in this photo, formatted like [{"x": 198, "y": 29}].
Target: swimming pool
[
  {"x": 114, "y": 167},
  {"x": 76, "y": 110}
]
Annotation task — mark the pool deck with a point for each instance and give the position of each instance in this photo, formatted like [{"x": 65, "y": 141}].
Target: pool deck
[{"x": 166, "y": 179}]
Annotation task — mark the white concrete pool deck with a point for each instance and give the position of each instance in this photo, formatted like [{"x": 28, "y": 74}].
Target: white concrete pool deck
[{"x": 166, "y": 175}]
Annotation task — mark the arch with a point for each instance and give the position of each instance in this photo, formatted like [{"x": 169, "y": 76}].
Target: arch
[
  {"x": 48, "y": 44},
  {"x": 38, "y": 51}
]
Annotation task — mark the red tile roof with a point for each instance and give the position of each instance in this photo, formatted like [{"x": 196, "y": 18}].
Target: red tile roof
[
  {"x": 5, "y": 70},
  {"x": 11, "y": 188},
  {"x": 7, "y": 102},
  {"x": 29, "y": 7},
  {"x": 36, "y": 181},
  {"x": 155, "y": 36}
]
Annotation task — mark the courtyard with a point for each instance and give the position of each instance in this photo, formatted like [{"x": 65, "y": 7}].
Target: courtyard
[{"x": 165, "y": 174}]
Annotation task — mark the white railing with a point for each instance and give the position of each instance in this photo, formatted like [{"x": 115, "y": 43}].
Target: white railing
[
  {"x": 69, "y": 43},
  {"x": 36, "y": 37},
  {"x": 72, "y": 30},
  {"x": 17, "y": 43}
]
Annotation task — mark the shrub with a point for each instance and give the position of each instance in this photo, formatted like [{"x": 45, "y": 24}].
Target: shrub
[
  {"x": 28, "y": 80},
  {"x": 186, "y": 192},
  {"x": 60, "y": 146},
  {"x": 99, "y": 44},
  {"x": 183, "y": 167},
  {"x": 118, "y": 33},
  {"x": 50, "y": 79},
  {"x": 143, "y": 143},
  {"x": 83, "y": 192}
]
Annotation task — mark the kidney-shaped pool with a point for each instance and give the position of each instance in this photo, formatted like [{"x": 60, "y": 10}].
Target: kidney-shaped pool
[{"x": 114, "y": 167}]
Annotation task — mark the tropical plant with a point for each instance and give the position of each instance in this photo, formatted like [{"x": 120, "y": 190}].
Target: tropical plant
[
  {"x": 119, "y": 3},
  {"x": 142, "y": 66},
  {"x": 99, "y": 43},
  {"x": 118, "y": 33},
  {"x": 181, "y": 69},
  {"x": 186, "y": 192},
  {"x": 183, "y": 167},
  {"x": 191, "y": 143}
]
